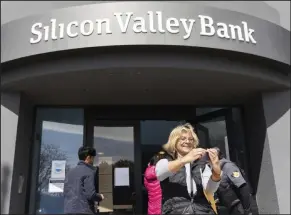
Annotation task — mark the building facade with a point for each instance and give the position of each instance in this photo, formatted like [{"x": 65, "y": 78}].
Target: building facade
[{"x": 120, "y": 75}]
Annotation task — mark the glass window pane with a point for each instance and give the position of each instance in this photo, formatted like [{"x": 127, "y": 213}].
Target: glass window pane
[
  {"x": 61, "y": 137},
  {"x": 154, "y": 134},
  {"x": 213, "y": 134},
  {"x": 115, "y": 168}
]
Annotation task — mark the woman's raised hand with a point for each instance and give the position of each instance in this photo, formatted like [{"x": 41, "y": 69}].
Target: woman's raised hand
[
  {"x": 215, "y": 163},
  {"x": 193, "y": 155}
]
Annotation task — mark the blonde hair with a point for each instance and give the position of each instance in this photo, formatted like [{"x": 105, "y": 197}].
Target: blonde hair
[{"x": 170, "y": 146}]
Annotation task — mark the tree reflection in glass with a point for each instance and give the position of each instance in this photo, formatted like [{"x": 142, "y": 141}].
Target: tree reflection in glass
[{"x": 61, "y": 136}]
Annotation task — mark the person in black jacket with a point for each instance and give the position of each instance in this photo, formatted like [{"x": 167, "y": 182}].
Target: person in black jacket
[
  {"x": 188, "y": 182},
  {"x": 234, "y": 192},
  {"x": 79, "y": 189}
]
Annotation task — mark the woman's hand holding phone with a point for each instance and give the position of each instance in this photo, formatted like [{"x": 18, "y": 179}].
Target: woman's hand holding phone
[
  {"x": 215, "y": 163},
  {"x": 193, "y": 155}
]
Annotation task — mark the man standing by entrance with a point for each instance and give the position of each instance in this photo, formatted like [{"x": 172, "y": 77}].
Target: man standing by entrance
[{"x": 79, "y": 189}]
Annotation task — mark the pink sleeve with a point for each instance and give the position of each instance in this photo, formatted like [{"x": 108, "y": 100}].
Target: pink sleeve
[{"x": 150, "y": 173}]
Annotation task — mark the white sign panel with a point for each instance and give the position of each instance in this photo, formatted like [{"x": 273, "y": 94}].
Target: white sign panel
[
  {"x": 56, "y": 186},
  {"x": 121, "y": 177},
  {"x": 58, "y": 169}
]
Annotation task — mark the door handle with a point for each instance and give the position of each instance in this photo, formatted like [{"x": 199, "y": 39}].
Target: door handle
[{"x": 20, "y": 184}]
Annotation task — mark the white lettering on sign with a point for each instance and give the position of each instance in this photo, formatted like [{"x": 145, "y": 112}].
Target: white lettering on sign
[{"x": 152, "y": 22}]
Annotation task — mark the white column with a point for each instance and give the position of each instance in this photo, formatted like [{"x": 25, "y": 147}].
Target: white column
[
  {"x": 9, "y": 121},
  {"x": 276, "y": 154}
]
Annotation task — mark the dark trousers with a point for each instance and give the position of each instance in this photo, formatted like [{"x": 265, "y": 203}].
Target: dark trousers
[{"x": 237, "y": 209}]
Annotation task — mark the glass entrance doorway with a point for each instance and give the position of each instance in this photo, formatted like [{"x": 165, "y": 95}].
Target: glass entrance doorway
[
  {"x": 114, "y": 143},
  {"x": 125, "y": 139}
]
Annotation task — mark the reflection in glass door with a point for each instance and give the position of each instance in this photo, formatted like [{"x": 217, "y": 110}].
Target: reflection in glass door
[
  {"x": 59, "y": 135},
  {"x": 212, "y": 133},
  {"x": 223, "y": 128},
  {"x": 115, "y": 168}
]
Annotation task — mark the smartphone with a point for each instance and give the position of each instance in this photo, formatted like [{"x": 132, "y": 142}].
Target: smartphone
[{"x": 205, "y": 157}]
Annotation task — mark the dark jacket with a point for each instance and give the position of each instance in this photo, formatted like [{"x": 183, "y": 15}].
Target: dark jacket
[
  {"x": 175, "y": 194},
  {"x": 233, "y": 191},
  {"x": 226, "y": 192},
  {"x": 79, "y": 190}
]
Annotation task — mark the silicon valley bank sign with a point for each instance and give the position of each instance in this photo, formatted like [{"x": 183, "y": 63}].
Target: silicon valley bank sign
[{"x": 152, "y": 22}]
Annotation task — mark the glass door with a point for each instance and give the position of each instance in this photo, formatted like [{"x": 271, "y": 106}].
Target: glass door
[
  {"x": 223, "y": 129},
  {"x": 212, "y": 132},
  {"x": 115, "y": 165},
  {"x": 58, "y": 136}
]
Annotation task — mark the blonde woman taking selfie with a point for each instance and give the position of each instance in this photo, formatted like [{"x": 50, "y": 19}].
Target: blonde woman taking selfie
[{"x": 187, "y": 179}]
